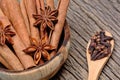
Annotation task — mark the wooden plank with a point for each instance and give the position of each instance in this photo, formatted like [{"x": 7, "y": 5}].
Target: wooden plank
[{"x": 85, "y": 17}]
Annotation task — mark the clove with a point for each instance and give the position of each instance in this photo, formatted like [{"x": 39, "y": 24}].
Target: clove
[{"x": 100, "y": 46}]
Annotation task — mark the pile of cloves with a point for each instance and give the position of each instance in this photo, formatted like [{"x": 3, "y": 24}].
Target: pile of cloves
[{"x": 100, "y": 46}]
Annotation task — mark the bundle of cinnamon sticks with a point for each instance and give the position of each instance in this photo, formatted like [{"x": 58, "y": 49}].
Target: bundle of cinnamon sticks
[{"x": 30, "y": 31}]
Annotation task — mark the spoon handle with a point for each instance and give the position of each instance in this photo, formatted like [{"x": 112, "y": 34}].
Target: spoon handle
[{"x": 93, "y": 76}]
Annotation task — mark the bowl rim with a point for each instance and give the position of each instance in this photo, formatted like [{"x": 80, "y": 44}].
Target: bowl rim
[{"x": 64, "y": 43}]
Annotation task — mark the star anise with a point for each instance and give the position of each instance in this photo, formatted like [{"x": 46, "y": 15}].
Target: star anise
[
  {"x": 5, "y": 34},
  {"x": 46, "y": 18},
  {"x": 39, "y": 49}
]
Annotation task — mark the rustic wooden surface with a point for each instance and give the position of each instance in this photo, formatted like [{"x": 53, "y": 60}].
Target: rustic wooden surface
[{"x": 85, "y": 17}]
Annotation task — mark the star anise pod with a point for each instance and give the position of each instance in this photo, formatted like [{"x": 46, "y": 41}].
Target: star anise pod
[
  {"x": 39, "y": 49},
  {"x": 5, "y": 34},
  {"x": 46, "y": 18}
]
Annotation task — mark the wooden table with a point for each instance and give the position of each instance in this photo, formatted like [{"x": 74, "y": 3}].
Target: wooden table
[{"x": 85, "y": 17}]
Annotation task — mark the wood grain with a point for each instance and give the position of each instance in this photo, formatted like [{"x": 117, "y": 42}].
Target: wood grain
[{"x": 85, "y": 18}]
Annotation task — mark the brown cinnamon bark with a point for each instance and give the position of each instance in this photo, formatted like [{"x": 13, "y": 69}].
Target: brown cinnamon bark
[
  {"x": 50, "y": 3},
  {"x": 6, "y": 53},
  {"x": 10, "y": 58},
  {"x": 2, "y": 61},
  {"x": 30, "y": 7},
  {"x": 60, "y": 24},
  {"x": 62, "y": 8},
  {"x": 16, "y": 17},
  {"x": 42, "y": 4},
  {"x": 18, "y": 46},
  {"x": 25, "y": 59},
  {"x": 52, "y": 6},
  {"x": 38, "y": 5},
  {"x": 25, "y": 16},
  {"x": 3, "y": 7}
]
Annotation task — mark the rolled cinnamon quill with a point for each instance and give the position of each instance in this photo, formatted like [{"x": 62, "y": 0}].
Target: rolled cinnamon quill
[
  {"x": 62, "y": 9},
  {"x": 25, "y": 16},
  {"x": 50, "y": 3},
  {"x": 25, "y": 59},
  {"x": 18, "y": 46},
  {"x": 10, "y": 58},
  {"x": 38, "y": 5},
  {"x": 42, "y": 4},
  {"x": 16, "y": 17},
  {"x": 30, "y": 8},
  {"x": 7, "y": 54},
  {"x": 2, "y": 61},
  {"x": 3, "y": 7}
]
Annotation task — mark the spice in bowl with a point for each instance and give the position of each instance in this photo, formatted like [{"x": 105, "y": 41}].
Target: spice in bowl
[{"x": 30, "y": 30}]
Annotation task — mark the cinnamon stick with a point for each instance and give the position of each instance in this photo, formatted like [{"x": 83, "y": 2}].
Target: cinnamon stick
[
  {"x": 30, "y": 7},
  {"x": 52, "y": 6},
  {"x": 10, "y": 58},
  {"x": 18, "y": 46},
  {"x": 25, "y": 59},
  {"x": 6, "y": 53},
  {"x": 38, "y": 5},
  {"x": 16, "y": 17},
  {"x": 42, "y": 4},
  {"x": 5, "y": 63},
  {"x": 50, "y": 3},
  {"x": 25, "y": 16},
  {"x": 3, "y": 7},
  {"x": 62, "y": 8}
]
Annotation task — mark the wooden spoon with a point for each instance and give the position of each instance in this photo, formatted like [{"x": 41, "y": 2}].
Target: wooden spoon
[{"x": 95, "y": 67}]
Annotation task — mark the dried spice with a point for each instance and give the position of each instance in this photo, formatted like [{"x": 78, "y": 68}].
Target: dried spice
[
  {"x": 5, "y": 34},
  {"x": 46, "y": 18},
  {"x": 100, "y": 46},
  {"x": 39, "y": 49}
]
